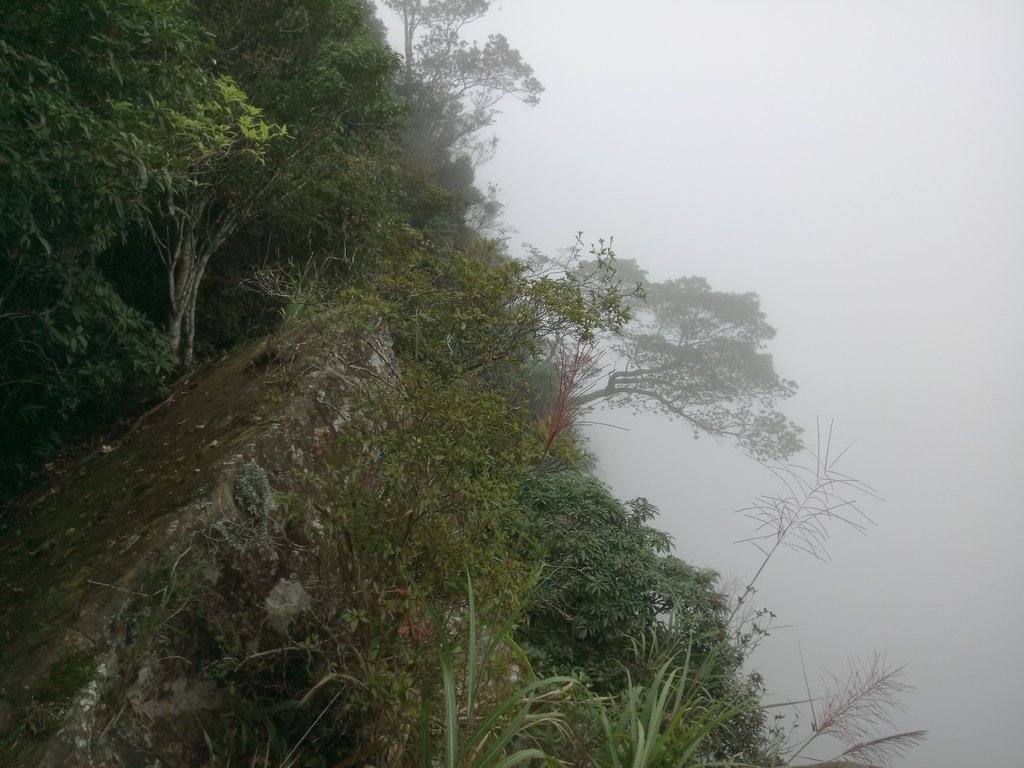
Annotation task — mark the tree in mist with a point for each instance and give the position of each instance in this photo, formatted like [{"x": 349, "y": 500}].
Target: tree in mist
[
  {"x": 454, "y": 86},
  {"x": 696, "y": 354}
]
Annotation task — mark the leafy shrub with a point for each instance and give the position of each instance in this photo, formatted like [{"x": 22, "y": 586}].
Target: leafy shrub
[{"x": 84, "y": 359}]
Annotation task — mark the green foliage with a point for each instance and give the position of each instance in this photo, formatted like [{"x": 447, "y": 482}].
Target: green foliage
[
  {"x": 217, "y": 128},
  {"x": 325, "y": 197},
  {"x": 482, "y": 312},
  {"x": 667, "y": 721},
  {"x": 600, "y": 557},
  {"x": 86, "y": 98},
  {"x": 224, "y": 144},
  {"x": 125, "y": 119},
  {"x": 75, "y": 364},
  {"x": 674, "y": 712},
  {"x": 316, "y": 65},
  {"x": 97, "y": 104},
  {"x": 607, "y": 578},
  {"x": 429, "y": 465},
  {"x": 422, "y": 482},
  {"x": 415, "y": 491},
  {"x": 489, "y": 721}
]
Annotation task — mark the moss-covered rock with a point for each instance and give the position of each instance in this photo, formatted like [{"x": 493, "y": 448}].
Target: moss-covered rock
[{"x": 100, "y": 574}]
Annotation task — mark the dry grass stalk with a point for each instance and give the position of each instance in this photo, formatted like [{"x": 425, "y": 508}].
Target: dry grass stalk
[
  {"x": 855, "y": 708},
  {"x": 816, "y": 497}
]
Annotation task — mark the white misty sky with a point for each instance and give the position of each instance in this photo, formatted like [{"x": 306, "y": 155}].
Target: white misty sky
[{"x": 860, "y": 165}]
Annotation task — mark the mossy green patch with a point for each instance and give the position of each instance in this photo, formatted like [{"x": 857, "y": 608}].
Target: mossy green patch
[
  {"x": 67, "y": 678},
  {"x": 76, "y": 544}
]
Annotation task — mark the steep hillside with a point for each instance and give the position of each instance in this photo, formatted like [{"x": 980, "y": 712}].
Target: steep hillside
[{"x": 94, "y": 669}]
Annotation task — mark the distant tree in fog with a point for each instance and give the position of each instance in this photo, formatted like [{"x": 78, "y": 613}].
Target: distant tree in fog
[
  {"x": 696, "y": 354},
  {"x": 453, "y": 85}
]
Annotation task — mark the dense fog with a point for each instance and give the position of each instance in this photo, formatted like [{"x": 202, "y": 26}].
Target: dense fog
[{"x": 859, "y": 166}]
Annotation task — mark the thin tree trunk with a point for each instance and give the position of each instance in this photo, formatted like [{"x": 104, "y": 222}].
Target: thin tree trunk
[
  {"x": 199, "y": 234},
  {"x": 187, "y": 354},
  {"x": 181, "y": 275},
  {"x": 196, "y": 258},
  {"x": 410, "y": 22}
]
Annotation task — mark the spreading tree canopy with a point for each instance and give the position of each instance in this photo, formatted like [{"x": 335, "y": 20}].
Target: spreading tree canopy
[{"x": 696, "y": 354}]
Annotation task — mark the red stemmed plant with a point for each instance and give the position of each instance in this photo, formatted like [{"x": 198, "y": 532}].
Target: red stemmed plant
[{"x": 575, "y": 365}]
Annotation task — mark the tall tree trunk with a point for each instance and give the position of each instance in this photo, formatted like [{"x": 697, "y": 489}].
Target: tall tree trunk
[
  {"x": 189, "y": 340},
  {"x": 199, "y": 237},
  {"x": 188, "y": 258},
  {"x": 180, "y": 277},
  {"x": 410, "y": 32}
]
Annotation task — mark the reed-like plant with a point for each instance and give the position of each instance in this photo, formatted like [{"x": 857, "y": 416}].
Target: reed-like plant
[
  {"x": 817, "y": 496},
  {"x": 856, "y": 708},
  {"x": 667, "y": 720},
  {"x": 575, "y": 365},
  {"x": 479, "y": 730}
]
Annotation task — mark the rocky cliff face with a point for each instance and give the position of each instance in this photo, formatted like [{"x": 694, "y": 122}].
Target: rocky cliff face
[{"x": 104, "y": 661}]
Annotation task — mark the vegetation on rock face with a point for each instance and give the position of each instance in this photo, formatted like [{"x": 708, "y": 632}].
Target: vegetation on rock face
[
  {"x": 443, "y": 581},
  {"x": 602, "y": 585}
]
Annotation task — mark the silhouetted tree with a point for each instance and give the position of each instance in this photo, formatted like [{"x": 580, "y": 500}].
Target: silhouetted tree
[
  {"x": 455, "y": 86},
  {"x": 696, "y": 354}
]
